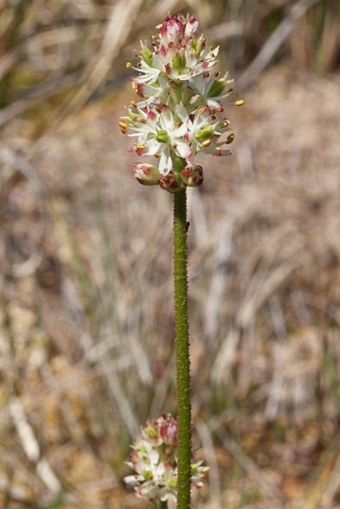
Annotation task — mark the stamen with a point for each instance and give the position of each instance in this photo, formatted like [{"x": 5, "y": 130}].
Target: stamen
[
  {"x": 239, "y": 102},
  {"x": 123, "y": 124},
  {"x": 230, "y": 138}
]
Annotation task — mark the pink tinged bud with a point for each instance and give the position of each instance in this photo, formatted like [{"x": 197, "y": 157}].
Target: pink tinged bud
[
  {"x": 191, "y": 27},
  {"x": 169, "y": 431},
  {"x": 169, "y": 183},
  {"x": 146, "y": 174},
  {"x": 163, "y": 28},
  {"x": 193, "y": 176}
]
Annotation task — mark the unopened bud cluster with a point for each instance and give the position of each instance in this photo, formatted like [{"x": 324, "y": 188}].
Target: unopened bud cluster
[
  {"x": 180, "y": 112},
  {"x": 154, "y": 460}
]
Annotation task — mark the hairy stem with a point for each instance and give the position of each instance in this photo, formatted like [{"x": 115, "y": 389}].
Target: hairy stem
[{"x": 182, "y": 350}]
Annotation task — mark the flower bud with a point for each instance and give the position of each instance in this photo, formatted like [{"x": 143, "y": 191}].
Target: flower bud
[
  {"x": 192, "y": 176},
  {"x": 169, "y": 183},
  {"x": 168, "y": 428},
  {"x": 154, "y": 461},
  {"x": 146, "y": 174}
]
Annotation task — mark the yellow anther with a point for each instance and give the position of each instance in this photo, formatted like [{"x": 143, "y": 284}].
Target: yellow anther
[
  {"x": 239, "y": 102},
  {"x": 140, "y": 146},
  {"x": 123, "y": 124},
  {"x": 202, "y": 109},
  {"x": 225, "y": 124},
  {"x": 128, "y": 65},
  {"x": 206, "y": 143},
  {"x": 230, "y": 138}
]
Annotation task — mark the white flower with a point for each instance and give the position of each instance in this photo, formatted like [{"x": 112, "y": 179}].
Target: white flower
[
  {"x": 158, "y": 134},
  {"x": 211, "y": 92}
]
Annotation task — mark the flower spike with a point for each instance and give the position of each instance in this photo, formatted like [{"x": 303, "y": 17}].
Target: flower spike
[
  {"x": 177, "y": 117},
  {"x": 154, "y": 461}
]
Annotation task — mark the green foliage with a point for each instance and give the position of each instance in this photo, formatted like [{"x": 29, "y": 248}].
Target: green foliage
[{"x": 57, "y": 503}]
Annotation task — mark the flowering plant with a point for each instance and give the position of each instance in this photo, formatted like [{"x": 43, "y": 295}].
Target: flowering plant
[
  {"x": 180, "y": 112},
  {"x": 154, "y": 459}
]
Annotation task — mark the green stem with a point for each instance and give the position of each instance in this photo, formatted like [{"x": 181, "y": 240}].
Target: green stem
[{"x": 182, "y": 350}]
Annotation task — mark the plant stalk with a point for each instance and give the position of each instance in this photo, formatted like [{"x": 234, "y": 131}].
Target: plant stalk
[{"x": 182, "y": 350}]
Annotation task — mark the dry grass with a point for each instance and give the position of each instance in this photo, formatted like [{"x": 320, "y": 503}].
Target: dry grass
[
  {"x": 87, "y": 323},
  {"x": 86, "y": 335}
]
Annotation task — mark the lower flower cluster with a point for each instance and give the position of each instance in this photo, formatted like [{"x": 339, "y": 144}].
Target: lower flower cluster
[{"x": 154, "y": 460}]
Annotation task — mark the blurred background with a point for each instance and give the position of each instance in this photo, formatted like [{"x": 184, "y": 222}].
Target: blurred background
[{"x": 86, "y": 310}]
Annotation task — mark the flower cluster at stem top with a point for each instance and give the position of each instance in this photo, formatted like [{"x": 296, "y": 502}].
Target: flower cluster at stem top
[
  {"x": 154, "y": 460},
  {"x": 180, "y": 112}
]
